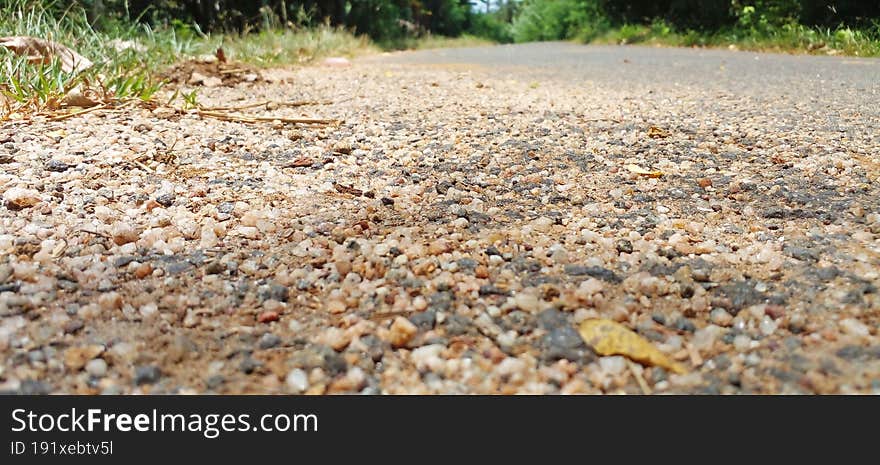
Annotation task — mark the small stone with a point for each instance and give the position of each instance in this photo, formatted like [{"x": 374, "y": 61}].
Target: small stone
[
  {"x": 527, "y": 302},
  {"x": 440, "y": 246},
  {"x": 613, "y": 365},
  {"x": 57, "y": 166},
  {"x": 248, "y": 365},
  {"x": 767, "y": 326},
  {"x": 774, "y": 311},
  {"x": 720, "y": 317},
  {"x": 336, "y": 306},
  {"x": 343, "y": 268},
  {"x": 123, "y": 233},
  {"x": 297, "y": 380},
  {"x": 143, "y": 270},
  {"x": 18, "y": 198},
  {"x": 72, "y": 326},
  {"x": 854, "y": 327},
  {"x": 624, "y": 246},
  {"x": 272, "y": 291},
  {"x": 97, "y": 368},
  {"x": 401, "y": 332},
  {"x": 268, "y": 341},
  {"x": 165, "y": 200},
  {"x": 268, "y": 316},
  {"x": 146, "y": 374},
  {"x": 110, "y": 301},
  {"x": 215, "y": 267},
  {"x": 704, "y": 182},
  {"x": 75, "y": 358}
]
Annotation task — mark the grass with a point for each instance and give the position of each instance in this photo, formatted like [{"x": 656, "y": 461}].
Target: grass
[
  {"x": 790, "y": 38},
  {"x": 431, "y": 41},
  {"x": 122, "y": 74}
]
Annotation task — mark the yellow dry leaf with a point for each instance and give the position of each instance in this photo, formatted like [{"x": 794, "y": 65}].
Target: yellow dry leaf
[
  {"x": 56, "y": 134},
  {"x": 643, "y": 172},
  {"x": 608, "y": 337},
  {"x": 657, "y": 133}
]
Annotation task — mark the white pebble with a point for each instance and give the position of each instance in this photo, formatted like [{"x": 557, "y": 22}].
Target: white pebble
[
  {"x": 97, "y": 368},
  {"x": 297, "y": 380}
]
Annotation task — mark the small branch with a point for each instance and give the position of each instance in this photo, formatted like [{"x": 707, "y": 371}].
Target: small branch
[
  {"x": 256, "y": 119},
  {"x": 71, "y": 115}
]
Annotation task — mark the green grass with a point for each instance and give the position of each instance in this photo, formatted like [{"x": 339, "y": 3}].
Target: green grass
[
  {"x": 132, "y": 73},
  {"x": 289, "y": 46},
  {"x": 434, "y": 41},
  {"x": 791, "y": 38}
]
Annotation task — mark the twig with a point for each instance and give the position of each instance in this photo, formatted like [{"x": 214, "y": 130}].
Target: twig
[
  {"x": 386, "y": 315},
  {"x": 105, "y": 236},
  {"x": 265, "y": 103},
  {"x": 255, "y": 119},
  {"x": 232, "y": 71},
  {"x": 643, "y": 385},
  {"x": 71, "y": 115}
]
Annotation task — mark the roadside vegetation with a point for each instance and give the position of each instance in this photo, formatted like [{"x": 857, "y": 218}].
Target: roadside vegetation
[
  {"x": 846, "y": 27},
  {"x": 129, "y": 42}
]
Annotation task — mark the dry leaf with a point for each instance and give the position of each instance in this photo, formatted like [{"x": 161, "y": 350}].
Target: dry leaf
[
  {"x": 608, "y": 337},
  {"x": 348, "y": 190},
  {"x": 42, "y": 51},
  {"x": 657, "y": 133},
  {"x": 299, "y": 163},
  {"x": 643, "y": 172},
  {"x": 77, "y": 99}
]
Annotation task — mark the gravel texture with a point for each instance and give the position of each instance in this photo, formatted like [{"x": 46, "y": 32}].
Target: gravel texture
[{"x": 448, "y": 237}]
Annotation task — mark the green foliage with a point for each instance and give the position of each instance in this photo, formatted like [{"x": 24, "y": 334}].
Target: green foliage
[
  {"x": 554, "y": 20},
  {"x": 851, "y": 26}
]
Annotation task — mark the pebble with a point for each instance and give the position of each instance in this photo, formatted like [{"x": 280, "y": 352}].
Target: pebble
[
  {"x": 268, "y": 316},
  {"x": 268, "y": 341},
  {"x": 297, "y": 380},
  {"x": 146, "y": 374},
  {"x": 854, "y": 327},
  {"x": 401, "y": 332},
  {"x": 97, "y": 368}
]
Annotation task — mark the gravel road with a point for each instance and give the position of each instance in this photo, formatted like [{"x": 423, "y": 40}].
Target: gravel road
[{"x": 449, "y": 236}]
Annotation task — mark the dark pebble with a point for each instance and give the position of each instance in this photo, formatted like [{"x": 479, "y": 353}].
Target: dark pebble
[
  {"x": 214, "y": 267},
  {"x": 800, "y": 253},
  {"x": 387, "y": 202},
  {"x": 457, "y": 325},
  {"x": 488, "y": 289},
  {"x": 123, "y": 261},
  {"x": 10, "y": 287},
  {"x": 565, "y": 342},
  {"x": 215, "y": 381},
  {"x": 57, "y": 166},
  {"x": 593, "y": 271},
  {"x": 492, "y": 250},
  {"x": 424, "y": 320},
  {"x": 683, "y": 324},
  {"x": 624, "y": 246},
  {"x": 166, "y": 200},
  {"x": 551, "y": 319},
  {"x": 225, "y": 207},
  {"x": 30, "y": 387},
  {"x": 248, "y": 365},
  {"x": 146, "y": 374},
  {"x": 467, "y": 264},
  {"x": 268, "y": 341},
  {"x": 272, "y": 291}
]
